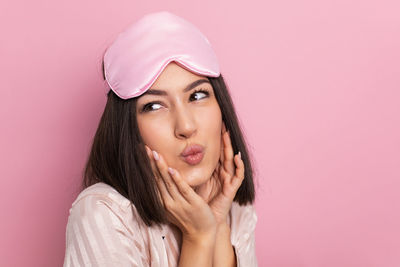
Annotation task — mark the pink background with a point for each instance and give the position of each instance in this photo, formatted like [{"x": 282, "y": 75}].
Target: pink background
[{"x": 316, "y": 85}]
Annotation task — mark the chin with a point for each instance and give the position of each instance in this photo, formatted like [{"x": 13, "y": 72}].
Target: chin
[{"x": 195, "y": 178}]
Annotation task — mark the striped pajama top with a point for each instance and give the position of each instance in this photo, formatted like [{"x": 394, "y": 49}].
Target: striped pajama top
[{"x": 103, "y": 230}]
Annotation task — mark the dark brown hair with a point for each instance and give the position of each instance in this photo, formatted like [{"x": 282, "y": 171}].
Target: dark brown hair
[{"x": 118, "y": 156}]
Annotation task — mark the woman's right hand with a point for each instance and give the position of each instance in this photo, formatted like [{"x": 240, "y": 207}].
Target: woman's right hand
[{"x": 187, "y": 210}]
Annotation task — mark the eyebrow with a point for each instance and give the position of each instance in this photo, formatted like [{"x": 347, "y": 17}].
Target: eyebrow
[{"x": 188, "y": 88}]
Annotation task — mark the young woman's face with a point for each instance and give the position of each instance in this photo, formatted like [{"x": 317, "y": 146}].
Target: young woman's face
[{"x": 171, "y": 118}]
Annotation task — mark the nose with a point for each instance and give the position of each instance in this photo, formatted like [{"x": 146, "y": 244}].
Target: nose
[{"x": 185, "y": 124}]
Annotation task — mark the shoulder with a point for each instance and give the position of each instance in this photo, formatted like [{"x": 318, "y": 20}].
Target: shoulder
[
  {"x": 244, "y": 211},
  {"x": 104, "y": 192},
  {"x": 103, "y": 202},
  {"x": 243, "y": 223},
  {"x": 104, "y": 230},
  {"x": 243, "y": 216}
]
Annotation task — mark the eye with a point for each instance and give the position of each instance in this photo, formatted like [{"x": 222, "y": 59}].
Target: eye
[
  {"x": 196, "y": 95},
  {"x": 200, "y": 92},
  {"x": 148, "y": 106}
]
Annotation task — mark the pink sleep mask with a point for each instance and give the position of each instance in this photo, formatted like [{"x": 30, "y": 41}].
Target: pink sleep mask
[{"x": 133, "y": 62}]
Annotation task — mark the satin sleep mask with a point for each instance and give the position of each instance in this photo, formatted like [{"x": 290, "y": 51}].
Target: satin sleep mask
[{"x": 139, "y": 54}]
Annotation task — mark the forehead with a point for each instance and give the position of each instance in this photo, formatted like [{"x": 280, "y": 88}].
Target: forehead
[{"x": 175, "y": 77}]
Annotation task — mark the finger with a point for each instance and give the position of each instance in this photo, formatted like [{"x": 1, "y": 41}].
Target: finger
[
  {"x": 239, "y": 172},
  {"x": 154, "y": 168},
  {"x": 162, "y": 190},
  {"x": 152, "y": 162},
  {"x": 186, "y": 191},
  {"x": 217, "y": 169},
  {"x": 228, "y": 154},
  {"x": 166, "y": 177},
  {"x": 221, "y": 157}
]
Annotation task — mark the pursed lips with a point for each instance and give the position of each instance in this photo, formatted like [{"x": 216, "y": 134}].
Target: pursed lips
[{"x": 193, "y": 154}]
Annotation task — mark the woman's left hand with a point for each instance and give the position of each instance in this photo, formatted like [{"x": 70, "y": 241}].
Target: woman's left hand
[{"x": 221, "y": 189}]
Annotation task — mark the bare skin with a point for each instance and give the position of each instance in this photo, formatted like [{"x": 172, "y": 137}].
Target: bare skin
[
  {"x": 206, "y": 234},
  {"x": 198, "y": 197}
]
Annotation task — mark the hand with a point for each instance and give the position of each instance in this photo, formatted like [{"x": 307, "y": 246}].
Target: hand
[
  {"x": 188, "y": 211},
  {"x": 221, "y": 189}
]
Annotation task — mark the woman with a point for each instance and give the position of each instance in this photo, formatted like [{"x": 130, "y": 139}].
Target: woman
[{"x": 169, "y": 180}]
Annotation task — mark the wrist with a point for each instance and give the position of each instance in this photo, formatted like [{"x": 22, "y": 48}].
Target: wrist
[
  {"x": 200, "y": 239},
  {"x": 197, "y": 249},
  {"x": 223, "y": 225},
  {"x": 224, "y": 253},
  {"x": 223, "y": 230},
  {"x": 223, "y": 222}
]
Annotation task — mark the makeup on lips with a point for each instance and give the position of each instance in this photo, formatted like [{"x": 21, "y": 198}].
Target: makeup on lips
[{"x": 193, "y": 154}]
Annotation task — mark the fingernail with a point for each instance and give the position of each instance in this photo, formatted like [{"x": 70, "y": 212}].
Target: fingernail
[
  {"x": 240, "y": 155},
  {"x": 171, "y": 171},
  {"x": 155, "y": 154}
]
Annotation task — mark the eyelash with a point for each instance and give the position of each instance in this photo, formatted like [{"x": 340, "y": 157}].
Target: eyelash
[{"x": 146, "y": 106}]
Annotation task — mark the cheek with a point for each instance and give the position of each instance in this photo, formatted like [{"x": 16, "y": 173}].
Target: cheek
[
  {"x": 211, "y": 117},
  {"x": 152, "y": 131},
  {"x": 212, "y": 127}
]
